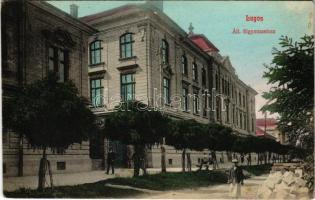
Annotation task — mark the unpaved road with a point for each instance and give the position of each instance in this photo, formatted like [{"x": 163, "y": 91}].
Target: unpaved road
[{"x": 249, "y": 191}]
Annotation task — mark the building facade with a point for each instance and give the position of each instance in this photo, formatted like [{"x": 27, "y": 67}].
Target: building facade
[
  {"x": 132, "y": 52},
  {"x": 267, "y": 127},
  {"x": 141, "y": 54},
  {"x": 38, "y": 38}
]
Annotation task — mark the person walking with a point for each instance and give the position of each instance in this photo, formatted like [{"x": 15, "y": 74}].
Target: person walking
[
  {"x": 110, "y": 160},
  {"x": 236, "y": 179}
]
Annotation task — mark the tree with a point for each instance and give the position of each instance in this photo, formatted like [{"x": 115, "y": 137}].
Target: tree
[
  {"x": 51, "y": 115},
  {"x": 292, "y": 74},
  {"x": 186, "y": 134},
  {"x": 134, "y": 123}
]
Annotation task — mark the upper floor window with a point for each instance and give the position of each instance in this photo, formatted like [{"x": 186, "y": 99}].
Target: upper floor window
[
  {"x": 127, "y": 87},
  {"x": 126, "y": 43},
  {"x": 196, "y": 102},
  {"x": 184, "y": 65},
  {"x": 58, "y": 62},
  {"x": 165, "y": 51},
  {"x": 204, "y": 81},
  {"x": 244, "y": 101},
  {"x": 96, "y": 92},
  {"x": 217, "y": 83},
  {"x": 205, "y": 104},
  {"x": 240, "y": 99},
  {"x": 185, "y": 99},
  {"x": 166, "y": 90},
  {"x": 95, "y": 52},
  {"x": 195, "y": 72}
]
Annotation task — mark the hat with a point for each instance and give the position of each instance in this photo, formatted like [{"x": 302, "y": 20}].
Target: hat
[{"x": 234, "y": 161}]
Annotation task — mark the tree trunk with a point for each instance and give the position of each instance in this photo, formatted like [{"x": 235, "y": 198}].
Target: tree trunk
[
  {"x": 138, "y": 159},
  {"x": 183, "y": 160},
  {"x": 188, "y": 162},
  {"x": 50, "y": 175},
  {"x": 42, "y": 171},
  {"x": 20, "y": 164},
  {"x": 136, "y": 162},
  {"x": 144, "y": 160},
  {"x": 163, "y": 162}
]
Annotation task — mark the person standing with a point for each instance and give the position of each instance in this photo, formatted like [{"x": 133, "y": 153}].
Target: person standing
[
  {"x": 110, "y": 161},
  {"x": 236, "y": 179}
]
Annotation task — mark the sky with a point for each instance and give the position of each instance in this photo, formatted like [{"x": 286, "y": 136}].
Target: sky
[{"x": 217, "y": 19}]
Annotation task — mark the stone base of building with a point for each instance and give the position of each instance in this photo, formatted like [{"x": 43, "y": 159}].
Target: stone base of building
[
  {"x": 59, "y": 164},
  {"x": 173, "y": 157}
]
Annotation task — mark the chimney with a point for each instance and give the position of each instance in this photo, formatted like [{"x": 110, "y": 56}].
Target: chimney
[{"x": 74, "y": 10}]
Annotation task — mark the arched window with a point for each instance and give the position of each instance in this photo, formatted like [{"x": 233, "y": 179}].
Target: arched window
[
  {"x": 184, "y": 65},
  {"x": 95, "y": 52},
  {"x": 126, "y": 42},
  {"x": 165, "y": 52}
]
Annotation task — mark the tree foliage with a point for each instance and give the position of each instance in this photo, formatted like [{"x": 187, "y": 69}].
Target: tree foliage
[
  {"x": 292, "y": 75},
  {"x": 50, "y": 114},
  {"x": 134, "y": 123},
  {"x": 186, "y": 134}
]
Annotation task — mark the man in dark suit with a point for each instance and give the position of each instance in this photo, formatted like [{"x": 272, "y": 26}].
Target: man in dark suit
[{"x": 110, "y": 160}]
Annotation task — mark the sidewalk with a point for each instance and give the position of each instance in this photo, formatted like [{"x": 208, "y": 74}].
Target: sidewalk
[{"x": 15, "y": 183}]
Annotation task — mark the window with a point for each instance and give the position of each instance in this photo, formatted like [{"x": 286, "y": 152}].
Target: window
[
  {"x": 96, "y": 92},
  {"x": 58, "y": 62},
  {"x": 243, "y": 101},
  {"x": 165, "y": 52},
  {"x": 227, "y": 113},
  {"x": 195, "y": 72},
  {"x": 185, "y": 99},
  {"x": 233, "y": 114},
  {"x": 245, "y": 124},
  {"x": 218, "y": 108},
  {"x": 205, "y": 106},
  {"x": 217, "y": 83},
  {"x": 204, "y": 81},
  {"x": 184, "y": 65},
  {"x": 240, "y": 99},
  {"x": 170, "y": 161},
  {"x": 241, "y": 120},
  {"x": 126, "y": 42},
  {"x": 223, "y": 86},
  {"x": 61, "y": 165},
  {"x": 166, "y": 91},
  {"x": 127, "y": 87},
  {"x": 196, "y": 102},
  {"x": 228, "y": 91},
  {"x": 95, "y": 52}
]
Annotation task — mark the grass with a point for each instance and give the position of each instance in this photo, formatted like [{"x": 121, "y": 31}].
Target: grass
[
  {"x": 173, "y": 180},
  {"x": 258, "y": 170},
  {"x": 91, "y": 190},
  {"x": 162, "y": 182}
]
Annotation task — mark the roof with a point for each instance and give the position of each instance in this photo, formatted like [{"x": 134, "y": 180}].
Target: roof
[
  {"x": 63, "y": 15},
  {"x": 262, "y": 133},
  {"x": 107, "y": 13},
  {"x": 202, "y": 42},
  {"x": 268, "y": 121}
]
